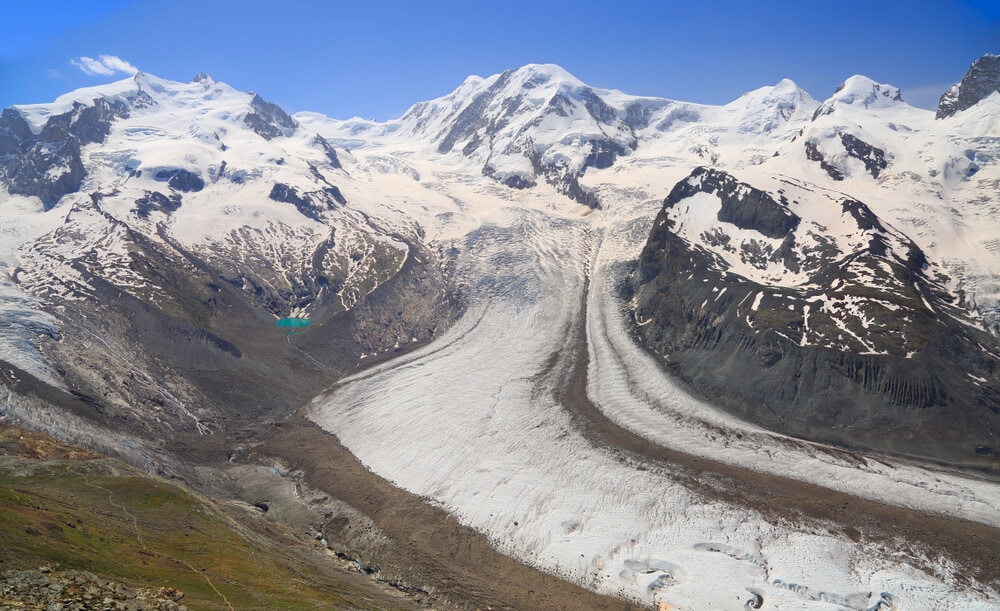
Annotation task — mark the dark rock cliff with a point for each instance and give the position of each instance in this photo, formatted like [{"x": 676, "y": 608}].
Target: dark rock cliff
[
  {"x": 982, "y": 79},
  {"x": 268, "y": 120},
  {"x": 48, "y": 165},
  {"x": 908, "y": 376},
  {"x": 874, "y": 159}
]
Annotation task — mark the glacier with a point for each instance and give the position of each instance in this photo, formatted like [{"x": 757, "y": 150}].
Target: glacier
[{"x": 535, "y": 194}]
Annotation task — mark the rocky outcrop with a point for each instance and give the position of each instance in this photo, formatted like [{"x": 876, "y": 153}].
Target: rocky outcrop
[
  {"x": 46, "y": 588},
  {"x": 874, "y": 159},
  {"x": 268, "y": 120},
  {"x": 180, "y": 179},
  {"x": 154, "y": 201},
  {"x": 982, "y": 80},
  {"x": 286, "y": 194},
  {"x": 742, "y": 205},
  {"x": 48, "y": 165},
  {"x": 869, "y": 352},
  {"x": 872, "y": 156},
  {"x": 813, "y": 154},
  {"x": 328, "y": 149}
]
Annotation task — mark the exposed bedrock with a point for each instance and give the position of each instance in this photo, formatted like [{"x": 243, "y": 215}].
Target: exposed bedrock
[
  {"x": 981, "y": 81},
  {"x": 905, "y": 375},
  {"x": 48, "y": 165},
  {"x": 209, "y": 358}
]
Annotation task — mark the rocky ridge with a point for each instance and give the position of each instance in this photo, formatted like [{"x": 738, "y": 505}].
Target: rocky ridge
[
  {"x": 981, "y": 81},
  {"x": 826, "y": 336}
]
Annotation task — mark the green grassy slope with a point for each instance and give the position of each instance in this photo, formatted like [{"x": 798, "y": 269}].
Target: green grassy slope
[{"x": 65, "y": 506}]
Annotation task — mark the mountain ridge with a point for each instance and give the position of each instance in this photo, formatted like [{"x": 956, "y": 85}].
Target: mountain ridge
[
  {"x": 806, "y": 289},
  {"x": 521, "y": 128}
]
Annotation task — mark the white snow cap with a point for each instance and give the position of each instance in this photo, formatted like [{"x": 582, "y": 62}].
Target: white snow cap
[
  {"x": 547, "y": 73},
  {"x": 862, "y": 91}
]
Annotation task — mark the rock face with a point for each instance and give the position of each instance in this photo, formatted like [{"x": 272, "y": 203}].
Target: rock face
[
  {"x": 154, "y": 201},
  {"x": 872, "y": 156},
  {"x": 518, "y": 125},
  {"x": 182, "y": 180},
  {"x": 48, "y": 165},
  {"x": 809, "y": 334},
  {"x": 284, "y": 193},
  {"x": 814, "y": 154},
  {"x": 982, "y": 80},
  {"x": 331, "y": 153},
  {"x": 268, "y": 120}
]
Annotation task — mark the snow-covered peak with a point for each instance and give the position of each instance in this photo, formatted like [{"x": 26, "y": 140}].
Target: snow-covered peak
[
  {"x": 153, "y": 84},
  {"x": 203, "y": 90},
  {"x": 863, "y": 91},
  {"x": 202, "y": 96},
  {"x": 37, "y": 114},
  {"x": 785, "y": 88},
  {"x": 533, "y": 83},
  {"x": 542, "y": 75},
  {"x": 513, "y": 125},
  {"x": 767, "y": 108}
]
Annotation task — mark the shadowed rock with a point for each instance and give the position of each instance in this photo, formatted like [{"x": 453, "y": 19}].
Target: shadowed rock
[
  {"x": 48, "y": 165},
  {"x": 926, "y": 386},
  {"x": 982, "y": 80},
  {"x": 268, "y": 120}
]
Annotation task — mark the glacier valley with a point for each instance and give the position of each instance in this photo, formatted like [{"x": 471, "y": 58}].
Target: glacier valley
[{"x": 687, "y": 356}]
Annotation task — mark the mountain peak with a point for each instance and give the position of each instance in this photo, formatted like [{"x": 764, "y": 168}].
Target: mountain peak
[
  {"x": 767, "y": 108},
  {"x": 151, "y": 84},
  {"x": 786, "y": 84},
  {"x": 982, "y": 79},
  {"x": 862, "y": 91},
  {"x": 785, "y": 88},
  {"x": 546, "y": 73},
  {"x": 538, "y": 79}
]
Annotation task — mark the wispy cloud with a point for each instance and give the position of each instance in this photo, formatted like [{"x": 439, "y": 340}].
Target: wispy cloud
[{"x": 104, "y": 65}]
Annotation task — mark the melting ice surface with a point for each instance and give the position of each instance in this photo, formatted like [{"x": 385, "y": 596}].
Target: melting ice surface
[{"x": 472, "y": 421}]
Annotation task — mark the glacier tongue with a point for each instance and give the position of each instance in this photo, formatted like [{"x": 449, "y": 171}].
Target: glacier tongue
[{"x": 479, "y": 422}]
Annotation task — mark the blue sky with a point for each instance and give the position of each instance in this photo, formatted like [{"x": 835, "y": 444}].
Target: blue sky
[{"x": 375, "y": 59}]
